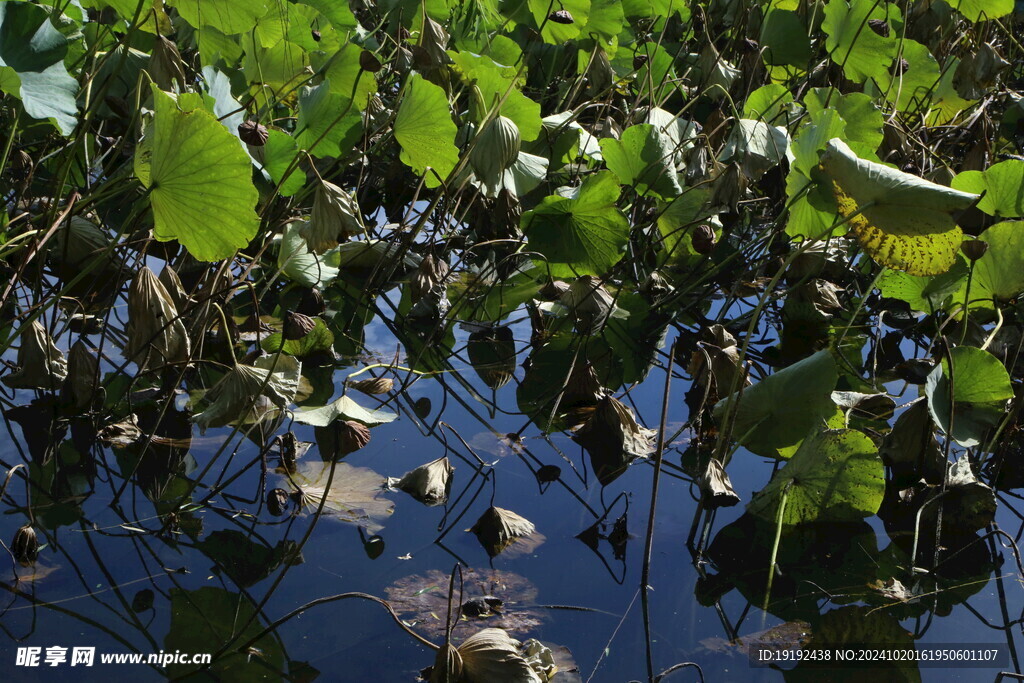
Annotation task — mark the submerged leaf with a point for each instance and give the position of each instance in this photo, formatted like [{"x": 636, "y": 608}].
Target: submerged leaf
[
  {"x": 902, "y": 221},
  {"x": 352, "y": 495}
]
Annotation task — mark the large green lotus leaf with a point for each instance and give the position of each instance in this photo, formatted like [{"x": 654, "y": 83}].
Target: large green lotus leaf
[
  {"x": 279, "y": 155},
  {"x": 211, "y": 617},
  {"x": 290, "y": 22},
  {"x": 783, "y": 408},
  {"x": 296, "y": 261},
  {"x": 32, "y": 64},
  {"x": 535, "y": 13},
  {"x": 580, "y": 235},
  {"x": 199, "y": 180},
  {"x": 494, "y": 81},
  {"x": 813, "y": 137},
  {"x": 926, "y": 294},
  {"x": 643, "y": 157},
  {"x": 835, "y": 476},
  {"x": 338, "y": 13},
  {"x": 347, "y": 77},
  {"x": 1000, "y": 271},
  {"x": 981, "y": 10},
  {"x": 768, "y": 103},
  {"x": 981, "y": 388},
  {"x": 784, "y": 39},
  {"x": 902, "y": 221},
  {"x": 917, "y": 88},
  {"x": 344, "y": 408},
  {"x": 863, "y": 119},
  {"x": 328, "y": 124},
  {"x": 227, "y": 16},
  {"x": 861, "y": 52},
  {"x": 1003, "y": 185},
  {"x": 605, "y": 22},
  {"x": 426, "y": 132}
]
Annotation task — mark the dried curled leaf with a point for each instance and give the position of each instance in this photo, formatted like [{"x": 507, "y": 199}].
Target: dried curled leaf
[
  {"x": 156, "y": 335},
  {"x": 429, "y": 484},
  {"x": 716, "y": 487},
  {"x": 498, "y": 528},
  {"x": 374, "y": 385},
  {"x": 447, "y": 666},
  {"x": 41, "y": 365},
  {"x": 492, "y": 656},
  {"x": 243, "y": 392},
  {"x": 589, "y": 304},
  {"x": 613, "y": 439},
  {"x": 334, "y": 219},
  {"x": 79, "y": 388}
]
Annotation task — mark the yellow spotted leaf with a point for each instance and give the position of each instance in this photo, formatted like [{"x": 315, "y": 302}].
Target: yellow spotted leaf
[{"x": 902, "y": 221}]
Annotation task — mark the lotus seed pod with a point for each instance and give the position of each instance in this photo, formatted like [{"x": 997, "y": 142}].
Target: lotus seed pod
[
  {"x": 560, "y": 17},
  {"x": 369, "y": 62},
  {"x": 312, "y": 302},
  {"x": 703, "y": 239},
  {"x": 974, "y": 249},
  {"x": 297, "y": 325},
  {"x": 25, "y": 546},
  {"x": 253, "y": 133}
]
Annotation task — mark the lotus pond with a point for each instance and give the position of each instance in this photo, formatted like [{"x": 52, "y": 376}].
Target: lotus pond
[{"x": 511, "y": 340}]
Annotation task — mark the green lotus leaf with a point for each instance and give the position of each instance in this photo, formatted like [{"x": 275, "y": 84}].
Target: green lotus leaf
[
  {"x": 861, "y": 52},
  {"x": 317, "y": 340},
  {"x": 902, "y": 221},
  {"x": 494, "y": 81},
  {"x": 982, "y": 10},
  {"x": 344, "y": 408},
  {"x": 1002, "y": 185},
  {"x": 835, "y": 476},
  {"x": 1000, "y": 270},
  {"x": 426, "y": 132},
  {"x": 644, "y": 158},
  {"x": 32, "y": 65},
  {"x": 784, "y": 407},
  {"x": 199, "y": 180},
  {"x": 784, "y": 38},
  {"x": 227, "y": 16},
  {"x": 328, "y": 124},
  {"x": 583, "y": 234},
  {"x": 980, "y": 390},
  {"x": 299, "y": 263}
]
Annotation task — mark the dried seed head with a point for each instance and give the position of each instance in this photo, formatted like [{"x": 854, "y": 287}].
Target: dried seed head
[
  {"x": 703, "y": 239},
  {"x": 369, "y": 62},
  {"x": 560, "y": 17},
  {"x": 312, "y": 302},
  {"x": 373, "y": 385},
  {"x": 351, "y": 436},
  {"x": 277, "y": 502},
  {"x": 25, "y": 546},
  {"x": 253, "y": 133},
  {"x": 974, "y": 249},
  {"x": 639, "y": 61},
  {"x": 297, "y": 325},
  {"x": 315, "y": 34},
  {"x": 899, "y": 67},
  {"x": 879, "y": 26}
]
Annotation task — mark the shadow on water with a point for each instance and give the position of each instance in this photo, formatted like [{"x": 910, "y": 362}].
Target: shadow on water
[{"x": 297, "y": 544}]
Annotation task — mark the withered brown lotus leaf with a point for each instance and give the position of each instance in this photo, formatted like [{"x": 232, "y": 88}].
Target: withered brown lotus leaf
[
  {"x": 79, "y": 388},
  {"x": 430, "y": 483},
  {"x": 156, "y": 335},
  {"x": 716, "y": 487},
  {"x": 41, "y": 365},
  {"x": 492, "y": 656},
  {"x": 589, "y": 304},
  {"x": 614, "y": 439},
  {"x": 499, "y": 528},
  {"x": 335, "y": 218}
]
